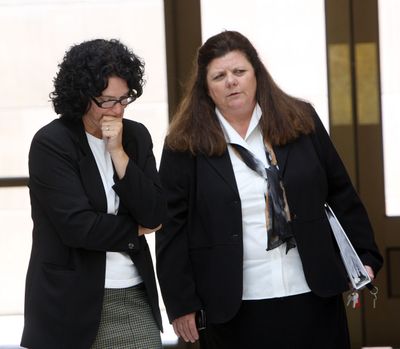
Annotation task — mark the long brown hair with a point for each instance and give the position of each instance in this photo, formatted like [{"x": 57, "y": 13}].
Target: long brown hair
[{"x": 195, "y": 126}]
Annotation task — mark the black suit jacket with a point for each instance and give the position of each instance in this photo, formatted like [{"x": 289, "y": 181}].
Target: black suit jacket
[
  {"x": 200, "y": 249},
  {"x": 72, "y": 231}
]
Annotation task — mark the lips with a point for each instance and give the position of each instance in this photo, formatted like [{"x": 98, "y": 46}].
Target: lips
[{"x": 233, "y": 94}]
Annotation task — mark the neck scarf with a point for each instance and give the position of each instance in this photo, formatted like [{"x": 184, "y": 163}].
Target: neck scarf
[{"x": 276, "y": 209}]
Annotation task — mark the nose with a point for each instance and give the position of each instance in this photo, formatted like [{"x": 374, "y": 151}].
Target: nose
[
  {"x": 231, "y": 80},
  {"x": 118, "y": 109}
]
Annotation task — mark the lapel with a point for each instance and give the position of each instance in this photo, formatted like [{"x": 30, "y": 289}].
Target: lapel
[
  {"x": 223, "y": 166},
  {"x": 89, "y": 172},
  {"x": 281, "y": 153}
]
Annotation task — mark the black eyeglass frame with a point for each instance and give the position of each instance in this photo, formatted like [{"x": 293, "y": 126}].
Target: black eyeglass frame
[{"x": 124, "y": 101}]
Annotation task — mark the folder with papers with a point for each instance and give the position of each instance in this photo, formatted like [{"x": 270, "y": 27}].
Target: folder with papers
[{"x": 356, "y": 271}]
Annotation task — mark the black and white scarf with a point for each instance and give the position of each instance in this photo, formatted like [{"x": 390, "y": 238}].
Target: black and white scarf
[{"x": 276, "y": 209}]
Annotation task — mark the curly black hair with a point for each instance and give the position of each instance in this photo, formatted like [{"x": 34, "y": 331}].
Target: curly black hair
[{"x": 84, "y": 73}]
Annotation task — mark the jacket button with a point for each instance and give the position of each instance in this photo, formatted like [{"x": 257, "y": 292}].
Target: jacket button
[
  {"x": 235, "y": 237},
  {"x": 131, "y": 245}
]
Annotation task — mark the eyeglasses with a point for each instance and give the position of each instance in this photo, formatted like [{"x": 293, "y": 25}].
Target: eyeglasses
[{"x": 124, "y": 101}]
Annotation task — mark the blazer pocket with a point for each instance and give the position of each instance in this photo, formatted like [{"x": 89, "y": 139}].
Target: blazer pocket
[
  {"x": 309, "y": 216},
  {"x": 57, "y": 269},
  {"x": 56, "y": 291}
]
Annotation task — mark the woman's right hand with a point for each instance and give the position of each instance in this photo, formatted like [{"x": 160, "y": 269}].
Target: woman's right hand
[
  {"x": 185, "y": 327},
  {"x": 143, "y": 230}
]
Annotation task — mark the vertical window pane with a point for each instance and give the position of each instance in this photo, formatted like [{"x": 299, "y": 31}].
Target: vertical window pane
[
  {"x": 389, "y": 46},
  {"x": 289, "y": 35}
]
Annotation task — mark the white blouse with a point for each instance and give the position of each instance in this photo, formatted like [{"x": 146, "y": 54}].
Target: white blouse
[
  {"x": 121, "y": 272},
  {"x": 266, "y": 274}
]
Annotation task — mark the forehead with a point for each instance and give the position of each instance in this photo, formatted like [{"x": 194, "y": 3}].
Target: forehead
[
  {"x": 231, "y": 60},
  {"x": 116, "y": 87}
]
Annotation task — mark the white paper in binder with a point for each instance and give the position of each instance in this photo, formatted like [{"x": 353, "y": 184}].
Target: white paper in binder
[{"x": 356, "y": 271}]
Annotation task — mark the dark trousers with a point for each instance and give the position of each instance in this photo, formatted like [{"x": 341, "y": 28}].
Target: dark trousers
[{"x": 303, "y": 321}]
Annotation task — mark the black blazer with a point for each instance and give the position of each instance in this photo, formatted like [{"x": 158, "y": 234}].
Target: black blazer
[
  {"x": 200, "y": 249},
  {"x": 72, "y": 231}
]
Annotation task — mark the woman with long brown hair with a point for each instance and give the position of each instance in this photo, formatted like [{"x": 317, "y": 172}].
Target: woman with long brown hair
[{"x": 248, "y": 250}]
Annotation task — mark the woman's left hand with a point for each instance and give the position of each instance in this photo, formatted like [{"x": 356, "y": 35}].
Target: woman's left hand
[
  {"x": 370, "y": 272},
  {"x": 143, "y": 230}
]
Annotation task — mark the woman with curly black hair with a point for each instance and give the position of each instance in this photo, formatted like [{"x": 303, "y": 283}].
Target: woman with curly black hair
[{"x": 95, "y": 193}]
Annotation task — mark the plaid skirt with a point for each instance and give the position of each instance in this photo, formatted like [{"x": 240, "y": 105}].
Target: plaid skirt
[{"x": 127, "y": 321}]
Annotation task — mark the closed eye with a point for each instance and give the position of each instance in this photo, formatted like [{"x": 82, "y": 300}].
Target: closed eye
[
  {"x": 114, "y": 99},
  {"x": 239, "y": 72},
  {"x": 218, "y": 77}
]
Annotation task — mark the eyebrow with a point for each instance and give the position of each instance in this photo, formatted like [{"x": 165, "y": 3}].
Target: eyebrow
[{"x": 218, "y": 70}]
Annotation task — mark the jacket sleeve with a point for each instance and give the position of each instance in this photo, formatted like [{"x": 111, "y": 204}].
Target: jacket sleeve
[
  {"x": 58, "y": 198},
  {"x": 174, "y": 268},
  {"x": 344, "y": 200},
  {"x": 140, "y": 189}
]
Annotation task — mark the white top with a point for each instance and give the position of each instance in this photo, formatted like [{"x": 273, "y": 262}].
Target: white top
[
  {"x": 266, "y": 274},
  {"x": 121, "y": 272}
]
